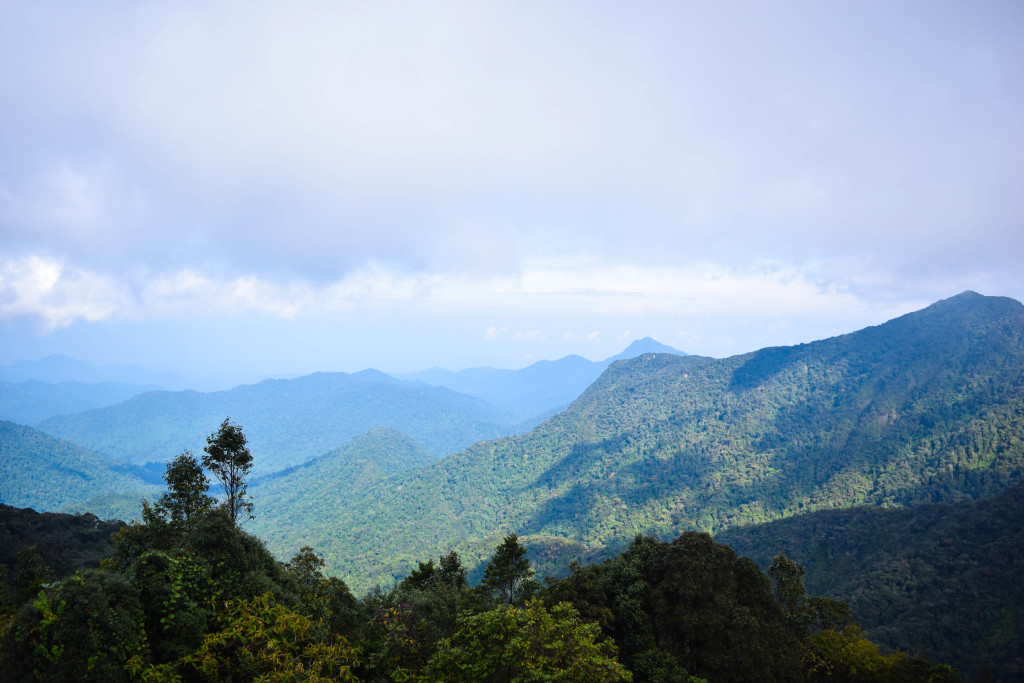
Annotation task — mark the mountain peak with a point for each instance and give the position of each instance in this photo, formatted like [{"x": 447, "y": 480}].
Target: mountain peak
[
  {"x": 642, "y": 346},
  {"x": 966, "y": 308}
]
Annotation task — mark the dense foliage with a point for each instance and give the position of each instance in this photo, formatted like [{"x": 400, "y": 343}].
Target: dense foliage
[
  {"x": 46, "y": 473},
  {"x": 926, "y": 407},
  {"x": 36, "y": 547},
  {"x": 195, "y": 598},
  {"x": 941, "y": 579},
  {"x": 288, "y": 421},
  {"x": 298, "y": 498}
]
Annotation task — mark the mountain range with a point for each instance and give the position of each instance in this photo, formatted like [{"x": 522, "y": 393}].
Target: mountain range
[
  {"x": 927, "y": 407},
  {"x": 287, "y": 421},
  {"x": 540, "y": 389},
  {"x": 888, "y": 461},
  {"x": 32, "y": 401}
]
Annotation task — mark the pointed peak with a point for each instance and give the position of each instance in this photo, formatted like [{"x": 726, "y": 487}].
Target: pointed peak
[{"x": 642, "y": 346}]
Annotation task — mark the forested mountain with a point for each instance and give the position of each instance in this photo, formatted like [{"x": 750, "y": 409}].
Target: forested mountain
[
  {"x": 291, "y": 503},
  {"x": 46, "y": 473},
  {"x": 927, "y": 407},
  {"x": 940, "y": 579},
  {"x": 33, "y": 401},
  {"x": 287, "y": 421},
  {"x": 538, "y": 389}
]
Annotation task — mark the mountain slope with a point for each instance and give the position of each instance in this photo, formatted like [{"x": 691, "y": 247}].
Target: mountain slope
[
  {"x": 287, "y": 421},
  {"x": 929, "y": 406},
  {"x": 46, "y": 473},
  {"x": 290, "y": 504},
  {"x": 941, "y": 579},
  {"x": 66, "y": 543},
  {"x": 538, "y": 389}
]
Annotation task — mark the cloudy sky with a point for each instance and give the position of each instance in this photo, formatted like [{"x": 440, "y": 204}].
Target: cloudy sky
[{"x": 232, "y": 190}]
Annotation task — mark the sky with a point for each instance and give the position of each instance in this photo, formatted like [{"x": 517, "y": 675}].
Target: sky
[{"x": 238, "y": 190}]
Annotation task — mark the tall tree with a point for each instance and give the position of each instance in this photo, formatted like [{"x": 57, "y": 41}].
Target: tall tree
[
  {"x": 450, "y": 572},
  {"x": 229, "y": 459},
  {"x": 187, "y": 490},
  {"x": 787, "y": 581},
  {"x": 509, "y": 576}
]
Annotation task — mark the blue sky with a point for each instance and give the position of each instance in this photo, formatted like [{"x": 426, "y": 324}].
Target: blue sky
[{"x": 234, "y": 190}]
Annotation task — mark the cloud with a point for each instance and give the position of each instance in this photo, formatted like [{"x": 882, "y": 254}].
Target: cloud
[
  {"x": 57, "y": 293},
  {"x": 313, "y": 141}
]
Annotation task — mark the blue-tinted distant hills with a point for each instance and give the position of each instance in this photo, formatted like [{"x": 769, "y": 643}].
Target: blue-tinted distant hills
[
  {"x": 33, "y": 401},
  {"x": 642, "y": 346},
  {"x": 537, "y": 390},
  {"x": 58, "y": 368},
  {"x": 287, "y": 421}
]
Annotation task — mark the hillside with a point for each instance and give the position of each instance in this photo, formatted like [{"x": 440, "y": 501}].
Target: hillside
[
  {"x": 539, "y": 389},
  {"x": 66, "y": 543},
  {"x": 927, "y": 407},
  {"x": 46, "y": 473},
  {"x": 941, "y": 579},
  {"x": 287, "y": 421},
  {"x": 291, "y": 503}
]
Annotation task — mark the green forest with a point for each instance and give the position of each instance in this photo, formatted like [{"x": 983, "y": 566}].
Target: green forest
[
  {"x": 925, "y": 408},
  {"x": 873, "y": 480},
  {"x": 941, "y": 579},
  {"x": 188, "y": 595}
]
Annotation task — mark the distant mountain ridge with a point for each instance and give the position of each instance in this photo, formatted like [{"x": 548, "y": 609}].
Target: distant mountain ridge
[
  {"x": 538, "y": 389},
  {"x": 287, "y": 421},
  {"x": 929, "y": 406},
  {"x": 32, "y": 401},
  {"x": 58, "y": 368},
  {"x": 642, "y": 346}
]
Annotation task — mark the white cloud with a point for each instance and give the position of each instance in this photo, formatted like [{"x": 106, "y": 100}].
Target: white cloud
[
  {"x": 55, "y": 294},
  {"x": 59, "y": 294},
  {"x": 493, "y": 332}
]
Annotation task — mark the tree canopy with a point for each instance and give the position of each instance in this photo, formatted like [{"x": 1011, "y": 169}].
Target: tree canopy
[{"x": 229, "y": 459}]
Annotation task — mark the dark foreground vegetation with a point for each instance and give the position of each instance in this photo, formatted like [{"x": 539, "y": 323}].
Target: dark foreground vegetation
[
  {"x": 187, "y": 595},
  {"x": 943, "y": 580},
  {"x": 198, "y": 599}
]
